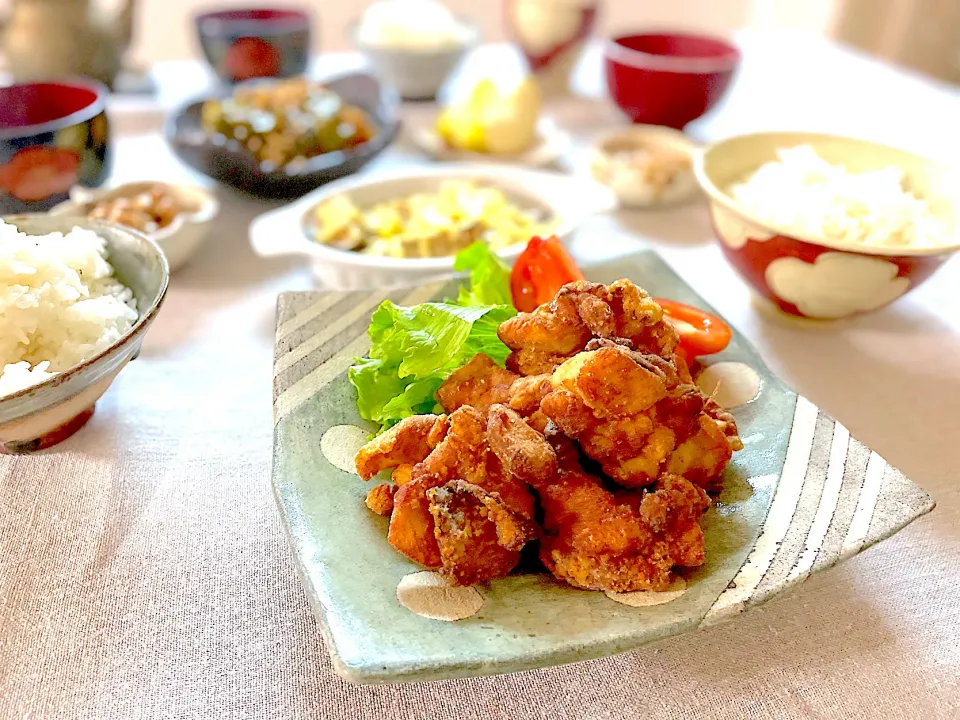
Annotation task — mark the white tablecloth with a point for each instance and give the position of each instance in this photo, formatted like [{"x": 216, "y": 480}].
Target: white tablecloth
[{"x": 143, "y": 571}]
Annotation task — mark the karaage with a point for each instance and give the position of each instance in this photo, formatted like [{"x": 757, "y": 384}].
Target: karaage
[{"x": 592, "y": 376}]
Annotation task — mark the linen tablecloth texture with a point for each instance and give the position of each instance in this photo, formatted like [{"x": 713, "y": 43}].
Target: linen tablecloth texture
[{"x": 144, "y": 572}]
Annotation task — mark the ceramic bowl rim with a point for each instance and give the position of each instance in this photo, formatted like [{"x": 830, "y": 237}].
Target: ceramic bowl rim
[
  {"x": 473, "y": 39},
  {"x": 615, "y": 52},
  {"x": 719, "y": 197},
  {"x": 144, "y": 319},
  {"x": 637, "y": 131},
  {"x": 77, "y": 117},
  {"x": 296, "y": 20}
]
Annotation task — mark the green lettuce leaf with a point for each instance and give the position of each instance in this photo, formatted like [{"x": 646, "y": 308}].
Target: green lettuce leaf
[
  {"x": 414, "y": 349},
  {"x": 489, "y": 277}
]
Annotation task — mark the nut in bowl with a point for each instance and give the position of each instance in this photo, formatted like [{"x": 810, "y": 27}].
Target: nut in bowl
[
  {"x": 828, "y": 227},
  {"x": 76, "y": 299},
  {"x": 177, "y": 217},
  {"x": 645, "y": 165},
  {"x": 509, "y": 199}
]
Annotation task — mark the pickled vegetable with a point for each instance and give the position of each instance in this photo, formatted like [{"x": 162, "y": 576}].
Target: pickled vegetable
[{"x": 287, "y": 121}]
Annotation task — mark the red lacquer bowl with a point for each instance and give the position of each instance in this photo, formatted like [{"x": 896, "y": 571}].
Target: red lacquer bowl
[
  {"x": 255, "y": 43},
  {"x": 817, "y": 277},
  {"x": 53, "y": 135},
  {"x": 668, "y": 78}
]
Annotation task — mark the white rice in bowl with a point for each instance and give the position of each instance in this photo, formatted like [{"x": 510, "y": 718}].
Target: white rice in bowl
[
  {"x": 60, "y": 304},
  {"x": 804, "y": 194}
]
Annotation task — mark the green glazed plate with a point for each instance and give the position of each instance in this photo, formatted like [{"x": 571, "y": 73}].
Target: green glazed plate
[{"x": 802, "y": 496}]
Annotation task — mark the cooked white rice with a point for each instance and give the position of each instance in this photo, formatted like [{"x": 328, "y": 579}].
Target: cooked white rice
[
  {"x": 59, "y": 304},
  {"x": 804, "y": 194}
]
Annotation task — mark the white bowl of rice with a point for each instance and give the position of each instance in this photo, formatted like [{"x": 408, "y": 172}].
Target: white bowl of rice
[
  {"x": 76, "y": 297},
  {"x": 827, "y": 227}
]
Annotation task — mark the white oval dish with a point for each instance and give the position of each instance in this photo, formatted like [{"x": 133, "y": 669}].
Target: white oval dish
[
  {"x": 632, "y": 186},
  {"x": 550, "y": 145},
  {"x": 281, "y": 231},
  {"x": 180, "y": 239}
]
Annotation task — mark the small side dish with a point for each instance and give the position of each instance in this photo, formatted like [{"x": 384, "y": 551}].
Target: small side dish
[
  {"x": 427, "y": 224},
  {"x": 149, "y": 210},
  {"x": 491, "y": 120},
  {"x": 494, "y": 123},
  {"x": 645, "y": 166},
  {"x": 284, "y": 146},
  {"x": 556, "y": 201},
  {"x": 177, "y": 217},
  {"x": 577, "y": 424},
  {"x": 284, "y": 123}
]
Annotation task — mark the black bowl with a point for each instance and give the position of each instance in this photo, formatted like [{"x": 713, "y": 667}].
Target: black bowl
[
  {"x": 53, "y": 135},
  {"x": 245, "y": 44},
  {"x": 232, "y": 164}
]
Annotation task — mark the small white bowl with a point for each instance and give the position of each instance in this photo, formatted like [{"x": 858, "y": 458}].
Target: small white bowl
[
  {"x": 634, "y": 186},
  {"x": 180, "y": 239},
  {"x": 549, "y": 146},
  {"x": 416, "y": 74},
  {"x": 281, "y": 232}
]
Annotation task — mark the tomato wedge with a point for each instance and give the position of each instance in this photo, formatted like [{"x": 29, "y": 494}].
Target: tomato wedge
[
  {"x": 541, "y": 270},
  {"x": 700, "y": 332},
  {"x": 545, "y": 266}
]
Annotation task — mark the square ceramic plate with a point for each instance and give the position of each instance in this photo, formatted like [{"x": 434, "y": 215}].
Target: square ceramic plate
[{"x": 802, "y": 496}]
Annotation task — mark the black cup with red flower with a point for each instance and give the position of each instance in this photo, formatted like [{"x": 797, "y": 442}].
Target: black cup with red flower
[
  {"x": 53, "y": 135},
  {"x": 255, "y": 43}
]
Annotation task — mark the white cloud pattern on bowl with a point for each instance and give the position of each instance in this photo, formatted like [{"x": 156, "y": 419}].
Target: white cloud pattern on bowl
[
  {"x": 734, "y": 231},
  {"x": 835, "y": 284}
]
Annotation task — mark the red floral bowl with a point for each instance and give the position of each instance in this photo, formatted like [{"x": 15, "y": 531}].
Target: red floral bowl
[
  {"x": 53, "y": 135},
  {"x": 668, "y": 78},
  {"x": 255, "y": 43},
  {"x": 818, "y": 277}
]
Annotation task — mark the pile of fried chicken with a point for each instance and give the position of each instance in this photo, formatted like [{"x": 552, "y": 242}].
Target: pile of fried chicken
[{"x": 593, "y": 441}]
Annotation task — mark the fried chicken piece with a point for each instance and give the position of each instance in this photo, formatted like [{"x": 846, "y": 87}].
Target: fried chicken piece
[
  {"x": 555, "y": 331},
  {"x": 380, "y": 499},
  {"x": 598, "y": 540},
  {"x": 633, "y": 415},
  {"x": 411, "y": 530},
  {"x": 402, "y": 474},
  {"x": 463, "y": 455},
  {"x": 479, "y": 537},
  {"x": 407, "y": 442},
  {"x": 527, "y": 392},
  {"x": 523, "y": 452},
  {"x": 480, "y": 383}
]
